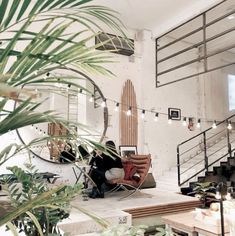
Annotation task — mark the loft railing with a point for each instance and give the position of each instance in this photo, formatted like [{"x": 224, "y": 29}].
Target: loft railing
[
  {"x": 195, "y": 43},
  {"x": 196, "y": 154}
]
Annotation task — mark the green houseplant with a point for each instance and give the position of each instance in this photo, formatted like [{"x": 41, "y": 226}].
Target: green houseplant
[
  {"x": 29, "y": 52},
  {"x": 42, "y": 219}
]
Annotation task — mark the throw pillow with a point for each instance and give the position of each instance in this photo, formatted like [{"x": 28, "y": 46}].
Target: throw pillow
[{"x": 129, "y": 169}]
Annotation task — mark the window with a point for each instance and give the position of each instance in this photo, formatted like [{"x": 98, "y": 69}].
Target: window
[{"x": 231, "y": 92}]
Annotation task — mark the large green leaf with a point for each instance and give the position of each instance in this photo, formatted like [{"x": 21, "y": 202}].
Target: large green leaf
[
  {"x": 45, "y": 49},
  {"x": 38, "y": 200}
]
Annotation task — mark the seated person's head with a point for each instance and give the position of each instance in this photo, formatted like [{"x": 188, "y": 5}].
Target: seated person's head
[
  {"x": 110, "y": 144},
  {"x": 111, "y": 147}
]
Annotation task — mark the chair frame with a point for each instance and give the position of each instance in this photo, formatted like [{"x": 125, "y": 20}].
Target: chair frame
[{"x": 142, "y": 163}]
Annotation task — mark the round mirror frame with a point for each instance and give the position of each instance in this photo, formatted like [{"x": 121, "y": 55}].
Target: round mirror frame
[{"x": 105, "y": 117}]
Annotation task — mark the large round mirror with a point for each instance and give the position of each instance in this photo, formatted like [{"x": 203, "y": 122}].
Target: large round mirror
[{"x": 78, "y": 101}]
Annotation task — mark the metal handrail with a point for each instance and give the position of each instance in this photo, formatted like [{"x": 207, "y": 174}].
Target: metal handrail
[
  {"x": 205, "y": 139},
  {"x": 221, "y": 122},
  {"x": 197, "y": 173}
]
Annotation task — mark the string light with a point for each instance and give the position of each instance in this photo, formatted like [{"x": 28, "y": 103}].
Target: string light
[
  {"x": 116, "y": 107},
  {"x": 217, "y": 195},
  {"x": 198, "y": 123},
  {"x": 169, "y": 120},
  {"x": 229, "y": 125},
  {"x": 156, "y": 117},
  {"x": 91, "y": 99},
  {"x": 184, "y": 121},
  {"x": 103, "y": 104},
  {"x": 214, "y": 126},
  {"x": 143, "y": 114},
  {"x": 229, "y": 193},
  {"x": 128, "y": 113}
]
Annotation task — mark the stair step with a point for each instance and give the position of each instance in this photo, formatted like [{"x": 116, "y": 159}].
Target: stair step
[{"x": 195, "y": 163}]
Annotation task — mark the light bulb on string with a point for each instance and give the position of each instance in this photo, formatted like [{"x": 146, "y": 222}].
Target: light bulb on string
[
  {"x": 143, "y": 114},
  {"x": 229, "y": 193},
  {"x": 214, "y": 126},
  {"x": 217, "y": 195},
  {"x": 184, "y": 121},
  {"x": 228, "y": 196},
  {"x": 40, "y": 131},
  {"x": 156, "y": 117},
  {"x": 229, "y": 125},
  {"x": 169, "y": 120},
  {"x": 103, "y": 103},
  {"x": 31, "y": 127},
  {"x": 128, "y": 113},
  {"x": 68, "y": 87},
  {"x": 116, "y": 107},
  {"x": 91, "y": 99},
  {"x": 198, "y": 123}
]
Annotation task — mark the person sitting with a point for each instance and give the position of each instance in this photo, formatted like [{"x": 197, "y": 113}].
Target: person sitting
[
  {"x": 105, "y": 166},
  {"x": 83, "y": 153},
  {"x": 67, "y": 155}
]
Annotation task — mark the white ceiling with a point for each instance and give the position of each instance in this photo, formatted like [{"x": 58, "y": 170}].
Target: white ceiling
[{"x": 159, "y": 16}]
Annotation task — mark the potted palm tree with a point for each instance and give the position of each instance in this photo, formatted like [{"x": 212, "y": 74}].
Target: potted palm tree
[{"x": 36, "y": 39}]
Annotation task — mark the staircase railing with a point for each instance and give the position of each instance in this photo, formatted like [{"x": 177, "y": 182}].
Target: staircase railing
[{"x": 196, "y": 154}]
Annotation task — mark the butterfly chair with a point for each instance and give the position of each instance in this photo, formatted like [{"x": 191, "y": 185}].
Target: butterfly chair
[{"x": 136, "y": 170}]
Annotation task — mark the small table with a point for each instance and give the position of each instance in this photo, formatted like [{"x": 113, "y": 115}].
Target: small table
[
  {"x": 50, "y": 177},
  {"x": 83, "y": 168},
  {"x": 187, "y": 223}
]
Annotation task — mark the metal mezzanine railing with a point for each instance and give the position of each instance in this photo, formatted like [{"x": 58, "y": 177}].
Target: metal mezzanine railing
[{"x": 196, "y": 154}]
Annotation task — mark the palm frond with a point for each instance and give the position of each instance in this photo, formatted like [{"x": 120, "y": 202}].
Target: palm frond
[
  {"x": 44, "y": 51},
  {"x": 30, "y": 204}
]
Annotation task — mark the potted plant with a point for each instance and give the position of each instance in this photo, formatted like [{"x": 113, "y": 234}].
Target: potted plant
[
  {"x": 205, "y": 192},
  {"x": 28, "y": 55},
  {"x": 41, "y": 220}
]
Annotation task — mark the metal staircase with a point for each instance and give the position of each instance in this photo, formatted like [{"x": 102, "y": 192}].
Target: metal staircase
[{"x": 199, "y": 155}]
